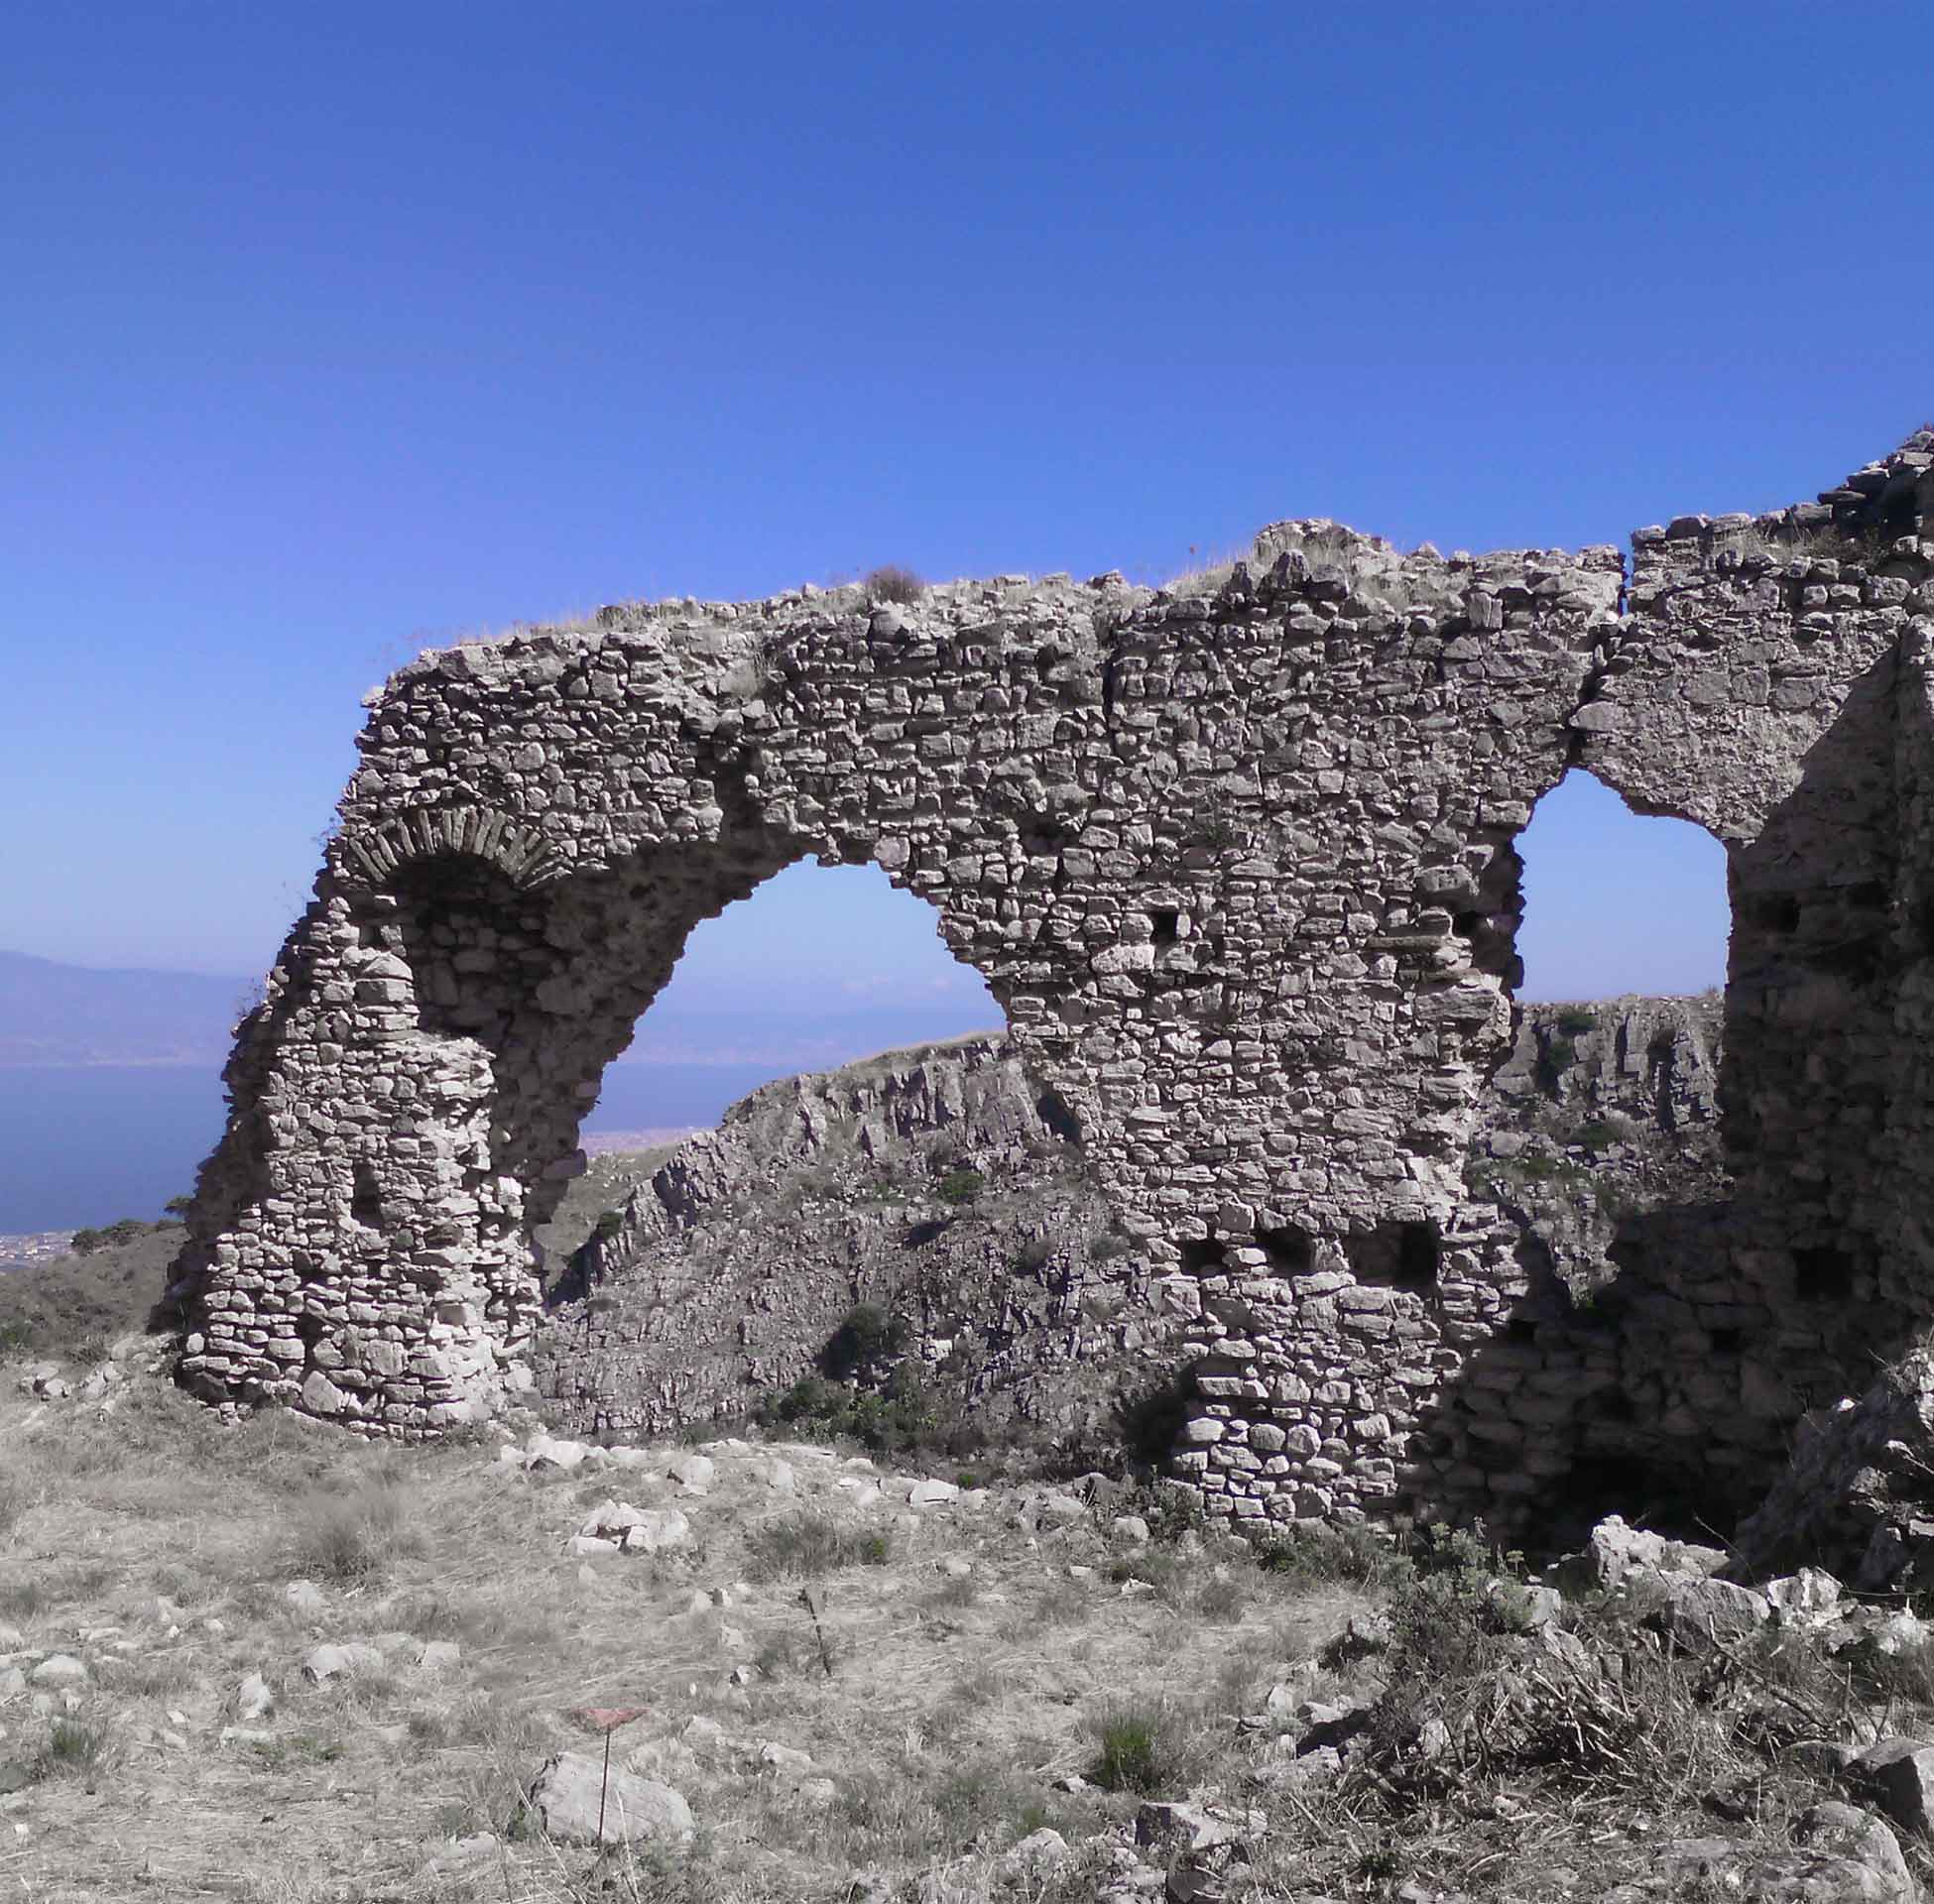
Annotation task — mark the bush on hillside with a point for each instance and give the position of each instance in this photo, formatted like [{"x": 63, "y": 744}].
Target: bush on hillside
[{"x": 892, "y": 583}]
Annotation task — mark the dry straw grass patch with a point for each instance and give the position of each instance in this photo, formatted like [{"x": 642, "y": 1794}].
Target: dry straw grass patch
[{"x": 948, "y": 1711}]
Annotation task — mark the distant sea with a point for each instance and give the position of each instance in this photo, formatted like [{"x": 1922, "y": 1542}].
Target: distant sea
[{"x": 82, "y": 1145}]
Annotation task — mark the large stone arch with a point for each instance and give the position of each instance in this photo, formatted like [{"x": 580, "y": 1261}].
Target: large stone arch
[{"x": 1238, "y": 865}]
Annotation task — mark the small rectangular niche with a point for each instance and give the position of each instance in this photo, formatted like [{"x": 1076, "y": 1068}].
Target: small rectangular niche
[
  {"x": 1774, "y": 912},
  {"x": 1291, "y": 1251},
  {"x": 1727, "y": 1342},
  {"x": 1166, "y": 923},
  {"x": 1203, "y": 1256},
  {"x": 366, "y": 1202},
  {"x": 1397, "y": 1255},
  {"x": 1822, "y": 1276}
]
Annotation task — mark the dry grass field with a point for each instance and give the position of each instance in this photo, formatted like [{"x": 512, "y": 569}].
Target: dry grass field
[
  {"x": 974, "y": 1660},
  {"x": 973, "y": 1671}
]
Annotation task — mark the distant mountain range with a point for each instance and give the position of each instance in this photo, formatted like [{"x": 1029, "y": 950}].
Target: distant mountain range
[{"x": 67, "y": 1015}]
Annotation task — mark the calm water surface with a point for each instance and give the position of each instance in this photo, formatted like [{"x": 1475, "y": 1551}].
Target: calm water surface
[{"x": 86, "y": 1145}]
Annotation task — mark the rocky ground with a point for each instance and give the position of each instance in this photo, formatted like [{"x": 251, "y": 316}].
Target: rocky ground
[
  {"x": 1604, "y": 1110},
  {"x": 375, "y": 1673}
]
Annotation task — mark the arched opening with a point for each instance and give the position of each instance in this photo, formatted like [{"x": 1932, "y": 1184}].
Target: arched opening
[
  {"x": 1618, "y": 904},
  {"x": 1600, "y": 1137},
  {"x": 887, "y": 1177},
  {"x": 819, "y": 967}
]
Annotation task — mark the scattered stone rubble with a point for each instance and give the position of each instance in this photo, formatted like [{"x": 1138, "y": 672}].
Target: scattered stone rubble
[
  {"x": 1859, "y": 1497},
  {"x": 1238, "y": 863}
]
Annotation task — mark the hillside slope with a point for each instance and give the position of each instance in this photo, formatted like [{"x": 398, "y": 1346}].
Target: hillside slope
[
  {"x": 936, "y": 1184},
  {"x": 1604, "y": 1112}
]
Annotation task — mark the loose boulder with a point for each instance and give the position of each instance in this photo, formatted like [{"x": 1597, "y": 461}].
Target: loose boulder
[
  {"x": 566, "y": 1794},
  {"x": 1900, "y": 1774}
]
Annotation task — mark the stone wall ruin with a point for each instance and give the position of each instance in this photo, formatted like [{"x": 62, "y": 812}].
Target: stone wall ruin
[{"x": 1237, "y": 863}]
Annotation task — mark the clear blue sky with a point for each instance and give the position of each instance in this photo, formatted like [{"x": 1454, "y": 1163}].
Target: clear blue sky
[{"x": 332, "y": 331}]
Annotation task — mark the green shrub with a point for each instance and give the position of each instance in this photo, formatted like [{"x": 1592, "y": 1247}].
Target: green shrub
[
  {"x": 1108, "y": 1245},
  {"x": 808, "y": 1542},
  {"x": 1324, "y": 1553},
  {"x": 1577, "y": 1022},
  {"x": 15, "y": 1499},
  {"x": 86, "y": 1242},
  {"x": 73, "y": 1749},
  {"x": 353, "y": 1537},
  {"x": 960, "y": 1186},
  {"x": 867, "y": 1339},
  {"x": 1137, "y": 1750},
  {"x": 1597, "y": 1135},
  {"x": 1533, "y": 1168}
]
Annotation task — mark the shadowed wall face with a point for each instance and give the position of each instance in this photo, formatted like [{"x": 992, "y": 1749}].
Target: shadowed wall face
[{"x": 1238, "y": 865}]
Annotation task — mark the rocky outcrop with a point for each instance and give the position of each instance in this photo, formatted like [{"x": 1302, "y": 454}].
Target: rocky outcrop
[
  {"x": 937, "y": 1185},
  {"x": 1236, "y": 860},
  {"x": 1604, "y": 1112}
]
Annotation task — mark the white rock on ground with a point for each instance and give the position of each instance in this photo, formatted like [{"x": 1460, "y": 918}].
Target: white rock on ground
[
  {"x": 785, "y": 1758},
  {"x": 341, "y": 1662},
  {"x": 1810, "y": 1598},
  {"x": 58, "y": 1669},
  {"x": 253, "y": 1699},
  {"x": 1615, "y": 1551},
  {"x": 692, "y": 1473},
  {"x": 565, "y": 1797},
  {"x": 1039, "y": 1852},
  {"x": 638, "y": 1530},
  {"x": 1699, "y": 1610},
  {"x": 1841, "y": 1857}
]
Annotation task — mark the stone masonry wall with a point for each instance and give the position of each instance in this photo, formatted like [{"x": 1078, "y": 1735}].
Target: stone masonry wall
[{"x": 1238, "y": 865}]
